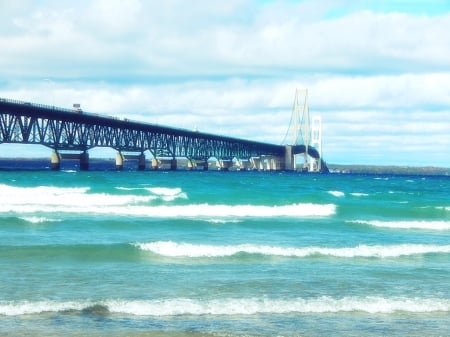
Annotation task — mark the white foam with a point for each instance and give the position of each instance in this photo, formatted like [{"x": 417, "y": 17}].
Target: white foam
[
  {"x": 338, "y": 194},
  {"x": 223, "y": 221},
  {"x": 174, "y": 249},
  {"x": 357, "y": 194},
  {"x": 79, "y": 200},
  {"x": 238, "y": 306},
  {"x": 38, "y": 220},
  {"x": 166, "y": 191},
  {"x": 417, "y": 224},
  {"x": 122, "y": 188}
]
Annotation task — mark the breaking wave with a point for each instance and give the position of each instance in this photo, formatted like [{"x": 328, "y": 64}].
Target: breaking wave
[
  {"x": 231, "y": 306},
  {"x": 51, "y": 200},
  {"x": 173, "y": 249},
  {"x": 338, "y": 194},
  {"x": 416, "y": 224}
]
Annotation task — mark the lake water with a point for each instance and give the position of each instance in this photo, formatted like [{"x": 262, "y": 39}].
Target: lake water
[{"x": 105, "y": 253}]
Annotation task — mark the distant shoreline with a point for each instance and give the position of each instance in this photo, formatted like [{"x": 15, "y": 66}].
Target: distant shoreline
[{"x": 389, "y": 169}]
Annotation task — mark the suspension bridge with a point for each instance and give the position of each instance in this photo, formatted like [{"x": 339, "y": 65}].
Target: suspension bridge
[{"x": 71, "y": 133}]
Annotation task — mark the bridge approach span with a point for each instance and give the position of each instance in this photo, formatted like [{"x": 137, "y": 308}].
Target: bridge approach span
[{"x": 73, "y": 130}]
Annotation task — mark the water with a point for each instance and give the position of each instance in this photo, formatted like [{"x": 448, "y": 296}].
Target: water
[{"x": 107, "y": 253}]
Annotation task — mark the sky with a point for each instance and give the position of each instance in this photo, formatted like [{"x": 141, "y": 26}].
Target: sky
[{"x": 377, "y": 72}]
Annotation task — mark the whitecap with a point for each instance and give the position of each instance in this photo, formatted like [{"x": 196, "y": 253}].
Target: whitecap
[
  {"x": 129, "y": 205},
  {"x": 338, "y": 194},
  {"x": 236, "y": 306},
  {"x": 414, "y": 224},
  {"x": 38, "y": 220},
  {"x": 358, "y": 194},
  {"x": 189, "y": 250}
]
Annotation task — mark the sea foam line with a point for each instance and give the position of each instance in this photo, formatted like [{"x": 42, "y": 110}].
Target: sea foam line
[
  {"x": 416, "y": 224},
  {"x": 45, "y": 199},
  {"x": 232, "y": 306},
  {"x": 173, "y": 249},
  {"x": 42, "y": 197},
  {"x": 174, "y": 211},
  {"x": 165, "y": 193}
]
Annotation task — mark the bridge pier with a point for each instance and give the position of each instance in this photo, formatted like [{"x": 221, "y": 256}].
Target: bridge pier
[
  {"x": 155, "y": 163},
  {"x": 173, "y": 164},
  {"x": 119, "y": 161},
  {"x": 55, "y": 161},
  {"x": 256, "y": 163},
  {"x": 191, "y": 164},
  {"x": 224, "y": 165},
  {"x": 203, "y": 163},
  {"x": 141, "y": 162},
  {"x": 84, "y": 161},
  {"x": 289, "y": 160},
  {"x": 274, "y": 163},
  {"x": 120, "y": 158},
  {"x": 242, "y": 165}
]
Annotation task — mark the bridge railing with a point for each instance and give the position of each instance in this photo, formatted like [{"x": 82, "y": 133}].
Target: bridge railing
[{"x": 36, "y": 105}]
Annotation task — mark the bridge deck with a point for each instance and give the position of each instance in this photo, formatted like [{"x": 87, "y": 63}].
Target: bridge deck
[{"x": 72, "y": 129}]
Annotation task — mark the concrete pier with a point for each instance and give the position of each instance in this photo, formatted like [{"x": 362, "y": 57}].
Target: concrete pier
[
  {"x": 55, "y": 161},
  {"x": 173, "y": 164},
  {"x": 141, "y": 162},
  {"x": 225, "y": 165},
  {"x": 84, "y": 161},
  {"x": 56, "y": 158},
  {"x": 155, "y": 164},
  {"x": 119, "y": 161}
]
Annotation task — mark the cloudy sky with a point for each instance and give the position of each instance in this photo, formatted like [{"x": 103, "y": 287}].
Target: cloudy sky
[{"x": 377, "y": 71}]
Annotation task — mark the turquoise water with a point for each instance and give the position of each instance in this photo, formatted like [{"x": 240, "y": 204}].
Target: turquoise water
[{"x": 107, "y": 253}]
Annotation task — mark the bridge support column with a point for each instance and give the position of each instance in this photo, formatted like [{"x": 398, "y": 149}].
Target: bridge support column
[
  {"x": 191, "y": 164},
  {"x": 55, "y": 161},
  {"x": 205, "y": 164},
  {"x": 274, "y": 163},
  {"x": 173, "y": 164},
  {"x": 155, "y": 164},
  {"x": 84, "y": 161},
  {"x": 256, "y": 163},
  {"x": 289, "y": 159},
  {"x": 141, "y": 162},
  {"x": 239, "y": 165},
  {"x": 119, "y": 161},
  {"x": 224, "y": 165}
]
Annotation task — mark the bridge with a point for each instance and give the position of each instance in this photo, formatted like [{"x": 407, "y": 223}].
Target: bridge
[{"x": 71, "y": 133}]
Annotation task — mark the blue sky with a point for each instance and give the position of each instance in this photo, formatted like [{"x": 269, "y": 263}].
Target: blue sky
[{"x": 377, "y": 72}]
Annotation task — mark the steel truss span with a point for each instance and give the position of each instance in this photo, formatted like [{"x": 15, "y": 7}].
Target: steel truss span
[{"x": 65, "y": 129}]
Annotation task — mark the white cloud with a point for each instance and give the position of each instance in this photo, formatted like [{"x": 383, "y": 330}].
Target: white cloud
[{"x": 379, "y": 79}]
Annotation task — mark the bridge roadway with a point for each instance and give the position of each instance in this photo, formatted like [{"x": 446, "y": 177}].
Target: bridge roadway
[{"x": 75, "y": 130}]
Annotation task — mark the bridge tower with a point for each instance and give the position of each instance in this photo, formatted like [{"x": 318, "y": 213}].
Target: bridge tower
[
  {"x": 316, "y": 142},
  {"x": 303, "y": 138}
]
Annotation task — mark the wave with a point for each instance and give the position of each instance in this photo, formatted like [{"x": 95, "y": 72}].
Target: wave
[
  {"x": 416, "y": 224},
  {"x": 359, "y": 194},
  {"x": 38, "y": 220},
  {"x": 338, "y": 194},
  {"x": 231, "y": 306},
  {"x": 38, "y": 200},
  {"x": 165, "y": 193},
  {"x": 173, "y": 249}
]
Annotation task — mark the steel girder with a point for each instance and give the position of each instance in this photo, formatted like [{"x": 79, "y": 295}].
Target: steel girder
[{"x": 63, "y": 129}]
